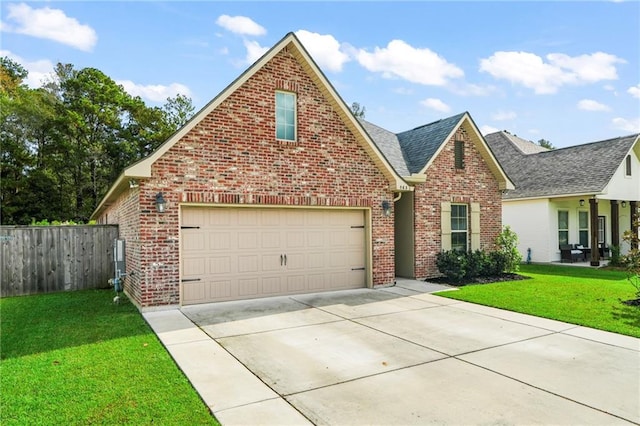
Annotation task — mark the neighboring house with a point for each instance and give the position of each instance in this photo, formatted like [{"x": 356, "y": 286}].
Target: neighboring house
[
  {"x": 275, "y": 188},
  {"x": 581, "y": 195}
]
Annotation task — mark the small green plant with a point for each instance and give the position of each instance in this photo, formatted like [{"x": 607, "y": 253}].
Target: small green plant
[
  {"x": 631, "y": 260},
  {"x": 615, "y": 259},
  {"x": 507, "y": 243}
]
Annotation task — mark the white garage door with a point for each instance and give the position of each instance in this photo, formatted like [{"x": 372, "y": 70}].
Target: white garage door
[{"x": 240, "y": 253}]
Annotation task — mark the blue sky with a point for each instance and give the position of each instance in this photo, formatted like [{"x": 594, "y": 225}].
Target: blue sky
[{"x": 568, "y": 72}]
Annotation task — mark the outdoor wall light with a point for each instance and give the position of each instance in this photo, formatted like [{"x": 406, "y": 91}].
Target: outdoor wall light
[
  {"x": 581, "y": 203},
  {"x": 161, "y": 203},
  {"x": 386, "y": 208},
  {"x": 623, "y": 204}
]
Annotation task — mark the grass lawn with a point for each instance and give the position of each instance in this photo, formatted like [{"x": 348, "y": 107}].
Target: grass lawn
[
  {"x": 76, "y": 358},
  {"x": 584, "y": 296}
]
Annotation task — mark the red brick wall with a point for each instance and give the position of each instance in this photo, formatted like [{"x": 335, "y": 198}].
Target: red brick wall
[
  {"x": 473, "y": 184},
  {"x": 232, "y": 157}
]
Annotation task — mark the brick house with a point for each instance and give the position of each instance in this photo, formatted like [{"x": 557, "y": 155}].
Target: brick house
[{"x": 274, "y": 188}]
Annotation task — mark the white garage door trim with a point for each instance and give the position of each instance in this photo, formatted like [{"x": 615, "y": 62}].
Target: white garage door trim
[{"x": 230, "y": 252}]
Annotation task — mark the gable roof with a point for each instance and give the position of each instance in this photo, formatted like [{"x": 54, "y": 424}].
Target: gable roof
[
  {"x": 142, "y": 168},
  {"x": 581, "y": 169},
  {"x": 412, "y": 152},
  {"x": 389, "y": 144},
  {"x": 420, "y": 144}
]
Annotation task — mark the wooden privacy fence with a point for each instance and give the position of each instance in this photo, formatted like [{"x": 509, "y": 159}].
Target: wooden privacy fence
[{"x": 42, "y": 259}]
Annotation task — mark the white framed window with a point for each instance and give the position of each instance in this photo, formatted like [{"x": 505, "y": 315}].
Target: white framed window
[
  {"x": 563, "y": 227},
  {"x": 583, "y": 228},
  {"x": 627, "y": 166},
  {"x": 459, "y": 227},
  {"x": 285, "y": 116}
]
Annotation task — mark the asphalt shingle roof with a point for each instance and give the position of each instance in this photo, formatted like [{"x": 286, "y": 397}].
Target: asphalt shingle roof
[
  {"x": 389, "y": 145},
  {"x": 579, "y": 169},
  {"x": 409, "y": 151}
]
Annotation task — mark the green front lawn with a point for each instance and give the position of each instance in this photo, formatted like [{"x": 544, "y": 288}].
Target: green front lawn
[
  {"x": 584, "y": 296},
  {"x": 77, "y": 358}
]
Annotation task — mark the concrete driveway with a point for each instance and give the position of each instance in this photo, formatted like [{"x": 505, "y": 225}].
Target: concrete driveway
[{"x": 398, "y": 356}]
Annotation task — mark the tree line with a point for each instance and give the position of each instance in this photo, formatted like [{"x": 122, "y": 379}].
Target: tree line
[{"x": 65, "y": 143}]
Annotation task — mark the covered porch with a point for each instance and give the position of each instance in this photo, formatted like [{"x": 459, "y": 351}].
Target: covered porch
[{"x": 594, "y": 226}]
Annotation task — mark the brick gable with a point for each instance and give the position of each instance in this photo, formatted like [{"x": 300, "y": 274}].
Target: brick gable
[
  {"x": 231, "y": 157},
  {"x": 475, "y": 183}
]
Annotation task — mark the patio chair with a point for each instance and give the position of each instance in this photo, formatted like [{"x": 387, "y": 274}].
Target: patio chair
[{"x": 569, "y": 254}]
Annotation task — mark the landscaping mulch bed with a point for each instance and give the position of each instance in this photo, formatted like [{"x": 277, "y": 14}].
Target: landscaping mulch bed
[{"x": 478, "y": 280}]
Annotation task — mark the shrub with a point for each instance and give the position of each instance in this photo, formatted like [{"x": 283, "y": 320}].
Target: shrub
[
  {"x": 616, "y": 259},
  {"x": 459, "y": 266},
  {"x": 453, "y": 264},
  {"x": 507, "y": 242}
]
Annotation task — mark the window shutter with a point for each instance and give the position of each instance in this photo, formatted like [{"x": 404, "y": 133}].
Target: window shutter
[
  {"x": 445, "y": 225},
  {"x": 459, "y": 154},
  {"x": 475, "y": 226}
]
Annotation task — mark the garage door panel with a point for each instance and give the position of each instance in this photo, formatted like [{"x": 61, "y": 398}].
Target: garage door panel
[
  {"x": 338, "y": 238},
  {"x": 316, "y": 260},
  {"x": 248, "y": 263},
  {"x": 296, "y": 283},
  {"x": 220, "y": 289},
  {"x": 196, "y": 266},
  {"x": 315, "y": 239},
  {"x": 194, "y": 292},
  {"x": 247, "y": 217},
  {"x": 316, "y": 282},
  {"x": 270, "y": 240},
  {"x": 219, "y": 240},
  {"x": 272, "y": 285},
  {"x": 220, "y": 265},
  {"x": 248, "y": 287},
  {"x": 245, "y": 248},
  {"x": 248, "y": 240},
  {"x": 193, "y": 241}
]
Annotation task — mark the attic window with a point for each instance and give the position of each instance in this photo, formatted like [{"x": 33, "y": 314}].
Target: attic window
[
  {"x": 459, "y": 154},
  {"x": 285, "y": 116},
  {"x": 627, "y": 166}
]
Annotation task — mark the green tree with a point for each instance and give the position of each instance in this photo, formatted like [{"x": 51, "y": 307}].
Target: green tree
[
  {"x": 546, "y": 144},
  {"x": 65, "y": 143},
  {"x": 358, "y": 110}
]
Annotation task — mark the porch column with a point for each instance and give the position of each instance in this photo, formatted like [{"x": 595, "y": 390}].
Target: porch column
[
  {"x": 593, "y": 214},
  {"x": 615, "y": 224},
  {"x": 633, "y": 205}
]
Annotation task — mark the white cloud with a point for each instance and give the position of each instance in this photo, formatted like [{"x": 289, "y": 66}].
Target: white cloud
[
  {"x": 530, "y": 70},
  {"x": 39, "y": 70},
  {"x": 402, "y": 91},
  {"x": 436, "y": 104},
  {"x": 469, "y": 89},
  {"x": 591, "y": 105},
  {"x": 631, "y": 125},
  {"x": 416, "y": 65},
  {"x": 254, "y": 51},
  {"x": 634, "y": 91},
  {"x": 504, "y": 115},
  {"x": 485, "y": 130},
  {"x": 241, "y": 25},
  {"x": 324, "y": 49},
  {"x": 154, "y": 92},
  {"x": 51, "y": 24}
]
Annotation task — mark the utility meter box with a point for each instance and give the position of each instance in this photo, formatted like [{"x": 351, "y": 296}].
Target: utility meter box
[{"x": 119, "y": 257}]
